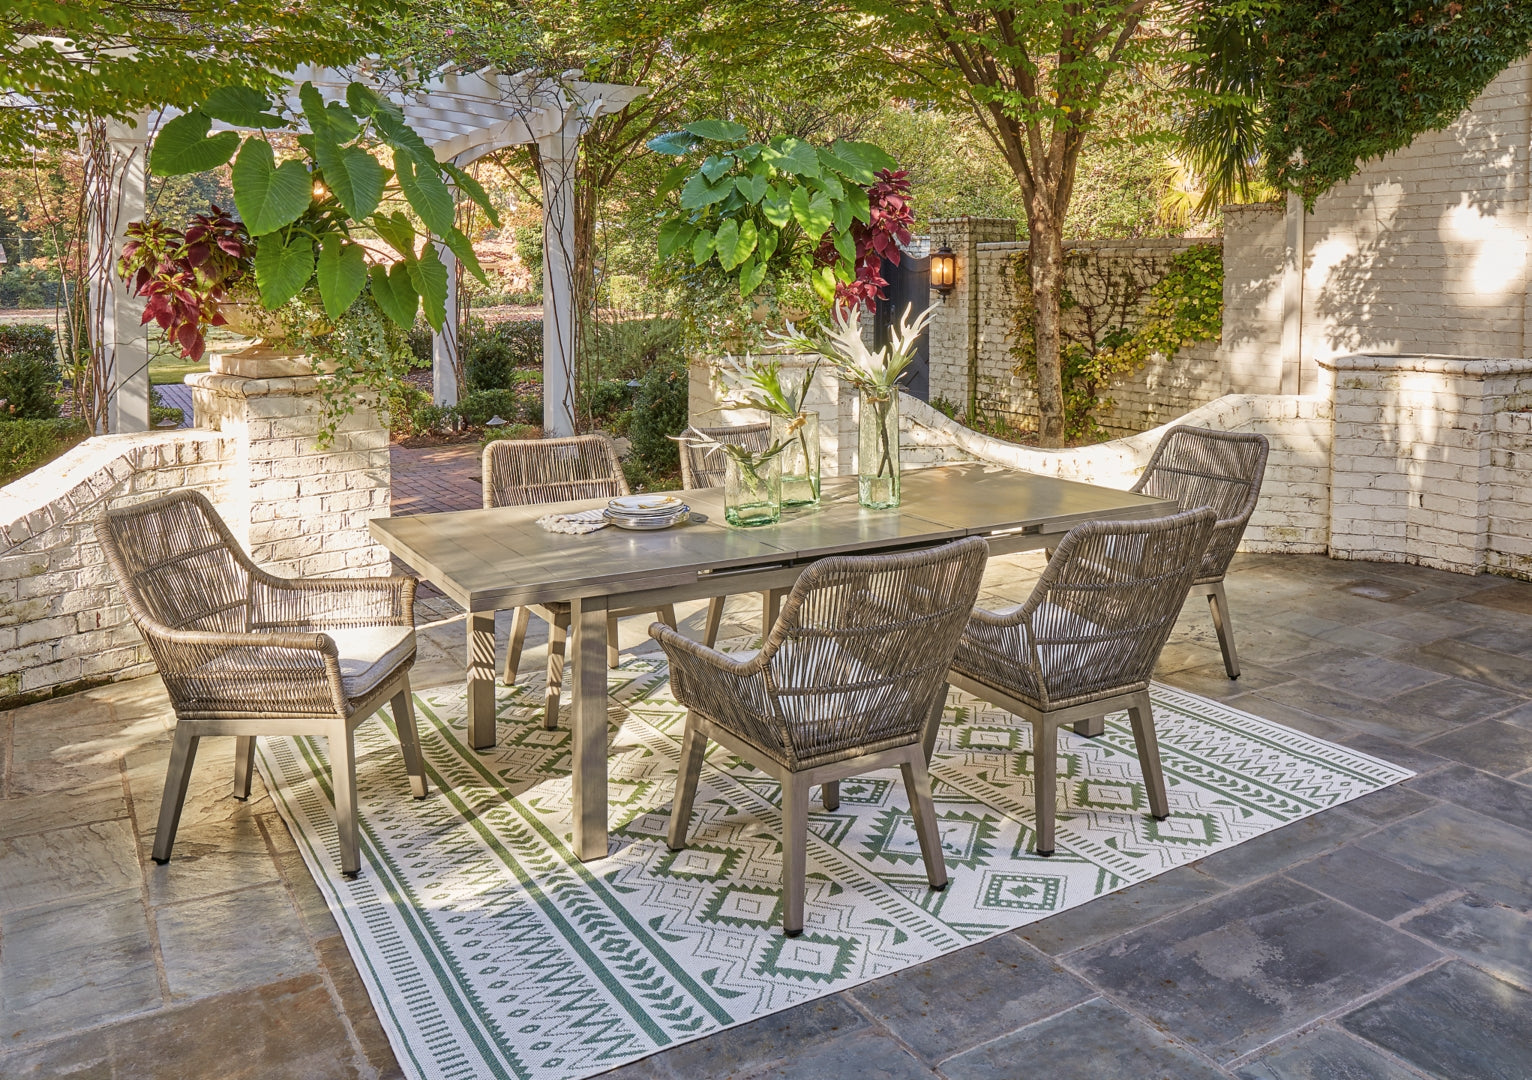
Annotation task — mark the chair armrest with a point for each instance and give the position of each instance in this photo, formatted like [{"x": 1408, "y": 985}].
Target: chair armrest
[
  {"x": 729, "y": 692},
  {"x": 208, "y": 672},
  {"x": 316, "y": 603}
]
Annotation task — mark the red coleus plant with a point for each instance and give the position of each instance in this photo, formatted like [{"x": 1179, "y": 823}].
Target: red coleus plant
[
  {"x": 888, "y": 227},
  {"x": 185, "y": 275}
]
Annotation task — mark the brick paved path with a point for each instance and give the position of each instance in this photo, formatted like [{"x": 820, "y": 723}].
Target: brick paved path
[{"x": 433, "y": 479}]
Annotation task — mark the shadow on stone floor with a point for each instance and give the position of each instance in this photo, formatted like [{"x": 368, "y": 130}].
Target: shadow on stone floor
[{"x": 1387, "y": 938}]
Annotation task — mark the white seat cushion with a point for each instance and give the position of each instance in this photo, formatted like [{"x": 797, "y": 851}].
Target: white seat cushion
[{"x": 369, "y": 654}]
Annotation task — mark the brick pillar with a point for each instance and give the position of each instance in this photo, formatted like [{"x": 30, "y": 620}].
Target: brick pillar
[
  {"x": 954, "y": 332},
  {"x": 299, "y": 510},
  {"x": 1410, "y": 475}
]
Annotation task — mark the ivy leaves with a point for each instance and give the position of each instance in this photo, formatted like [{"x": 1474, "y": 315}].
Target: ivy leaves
[
  {"x": 302, "y": 211},
  {"x": 759, "y": 207}
]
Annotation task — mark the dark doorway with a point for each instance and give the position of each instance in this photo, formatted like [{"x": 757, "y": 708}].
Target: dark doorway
[{"x": 909, "y": 283}]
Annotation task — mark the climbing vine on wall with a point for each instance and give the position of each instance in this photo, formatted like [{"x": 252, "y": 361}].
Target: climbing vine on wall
[{"x": 1119, "y": 312}]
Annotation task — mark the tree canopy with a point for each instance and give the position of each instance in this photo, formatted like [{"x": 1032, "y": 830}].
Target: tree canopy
[{"x": 69, "y": 61}]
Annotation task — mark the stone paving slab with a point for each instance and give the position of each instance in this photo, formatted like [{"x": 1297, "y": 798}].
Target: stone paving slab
[{"x": 1421, "y": 894}]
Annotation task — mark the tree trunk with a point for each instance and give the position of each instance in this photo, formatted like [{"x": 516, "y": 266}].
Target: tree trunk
[{"x": 1047, "y": 263}]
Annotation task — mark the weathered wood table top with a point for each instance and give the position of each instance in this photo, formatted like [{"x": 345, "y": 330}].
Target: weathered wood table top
[{"x": 494, "y": 559}]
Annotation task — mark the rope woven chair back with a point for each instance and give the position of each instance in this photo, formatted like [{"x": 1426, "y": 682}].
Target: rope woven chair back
[
  {"x": 523, "y": 472},
  {"x": 177, "y": 564},
  {"x": 864, "y": 642},
  {"x": 1107, "y": 601},
  {"x": 699, "y": 469},
  {"x": 1220, "y": 469}
]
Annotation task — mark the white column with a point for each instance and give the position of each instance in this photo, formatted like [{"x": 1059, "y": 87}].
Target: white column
[
  {"x": 123, "y": 343},
  {"x": 1292, "y": 299},
  {"x": 557, "y": 154},
  {"x": 444, "y": 345}
]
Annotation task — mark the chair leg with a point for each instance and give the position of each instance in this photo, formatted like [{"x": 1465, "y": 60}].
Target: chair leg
[
  {"x": 403, "y": 707},
  {"x": 795, "y": 844},
  {"x": 519, "y": 619},
  {"x": 1091, "y": 726},
  {"x": 1142, "y": 716},
  {"x": 558, "y": 639},
  {"x": 244, "y": 765},
  {"x": 343, "y": 780},
  {"x": 613, "y": 649},
  {"x": 714, "y": 621},
  {"x": 829, "y": 794},
  {"x": 693, "y": 749},
  {"x": 917, "y": 785},
  {"x": 934, "y": 722},
  {"x": 1045, "y": 779},
  {"x": 183, "y": 751},
  {"x": 1218, "y": 604}
]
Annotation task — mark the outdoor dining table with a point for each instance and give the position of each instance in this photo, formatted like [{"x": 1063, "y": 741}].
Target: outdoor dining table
[{"x": 490, "y": 560}]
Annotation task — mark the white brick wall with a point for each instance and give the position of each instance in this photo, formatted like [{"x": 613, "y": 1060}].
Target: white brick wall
[{"x": 299, "y": 511}]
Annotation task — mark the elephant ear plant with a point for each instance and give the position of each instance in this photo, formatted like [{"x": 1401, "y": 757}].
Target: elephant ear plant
[
  {"x": 307, "y": 183},
  {"x": 781, "y": 208}
]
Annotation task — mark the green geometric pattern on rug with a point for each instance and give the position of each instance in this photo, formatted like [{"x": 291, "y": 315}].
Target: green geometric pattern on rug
[{"x": 489, "y": 951}]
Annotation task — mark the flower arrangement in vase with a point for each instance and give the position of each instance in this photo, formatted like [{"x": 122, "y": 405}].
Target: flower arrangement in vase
[
  {"x": 752, "y": 485},
  {"x": 759, "y": 383},
  {"x": 876, "y": 374}
]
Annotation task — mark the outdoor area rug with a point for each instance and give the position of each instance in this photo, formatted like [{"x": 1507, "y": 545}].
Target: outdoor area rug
[{"x": 489, "y": 951}]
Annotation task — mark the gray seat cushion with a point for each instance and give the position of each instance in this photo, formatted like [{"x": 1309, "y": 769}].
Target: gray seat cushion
[{"x": 369, "y": 654}]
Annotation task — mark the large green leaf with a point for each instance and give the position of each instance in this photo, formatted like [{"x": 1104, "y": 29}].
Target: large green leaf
[
  {"x": 702, "y": 247},
  {"x": 268, "y": 196},
  {"x": 725, "y": 240},
  {"x": 813, "y": 214},
  {"x": 792, "y": 155},
  {"x": 698, "y": 192},
  {"x": 753, "y": 188},
  {"x": 462, "y": 247},
  {"x": 861, "y": 209},
  {"x": 845, "y": 245},
  {"x": 356, "y": 177},
  {"x": 474, "y": 190},
  {"x": 675, "y": 235},
  {"x": 342, "y": 274},
  {"x": 389, "y": 120},
  {"x": 429, "y": 277},
  {"x": 674, "y": 143},
  {"x": 428, "y": 196},
  {"x": 863, "y": 155},
  {"x": 766, "y": 245},
  {"x": 182, "y": 146},
  {"x": 397, "y": 232},
  {"x": 395, "y": 293},
  {"x": 672, "y": 179},
  {"x": 857, "y": 174},
  {"x": 241, "y": 106},
  {"x": 778, "y": 206},
  {"x": 715, "y": 166},
  {"x": 717, "y": 130},
  {"x": 823, "y": 281},
  {"x": 751, "y": 274},
  {"x": 330, "y": 124},
  {"x": 282, "y": 269}
]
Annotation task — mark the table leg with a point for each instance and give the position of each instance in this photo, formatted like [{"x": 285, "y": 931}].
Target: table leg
[
  {"x": 588, "y": 728},
  {"x": 481, "y": 680}
]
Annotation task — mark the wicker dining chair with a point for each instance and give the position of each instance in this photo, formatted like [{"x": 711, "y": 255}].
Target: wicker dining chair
[
  {"x": 246, "y": 653},
  {"x": 700, "y": 469},
  {"x": 1223, "y": 470},
  {"x": 845, "y": 683},
  {"x": 1086, "y": 641},
  {"x": 525, "y": 472}
]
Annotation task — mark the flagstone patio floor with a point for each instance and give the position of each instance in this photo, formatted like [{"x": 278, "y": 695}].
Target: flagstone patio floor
[{"x": 1388, "y": 938}]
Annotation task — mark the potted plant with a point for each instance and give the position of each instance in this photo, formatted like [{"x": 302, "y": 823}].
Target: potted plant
[
  {"x": 759, "y": 383},
  {"x": 752, "y": 479},
  {"x": 358, "y": 166},
  {"x": 876, "y": 375}
]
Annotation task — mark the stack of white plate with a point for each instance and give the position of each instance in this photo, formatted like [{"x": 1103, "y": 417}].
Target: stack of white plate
[{"x": 646, "y": 511}]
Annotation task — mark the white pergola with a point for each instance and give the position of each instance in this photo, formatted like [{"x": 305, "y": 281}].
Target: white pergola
[{"x": 462, "y": 116}]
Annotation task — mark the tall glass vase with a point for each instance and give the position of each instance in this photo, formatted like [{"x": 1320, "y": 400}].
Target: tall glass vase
[
  {"x": 752, "y": 492},
  {"x": 877, "y": 459},
  {"x": 800, "y": 459}
]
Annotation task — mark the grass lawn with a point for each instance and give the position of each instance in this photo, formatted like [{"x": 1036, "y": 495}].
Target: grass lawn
[{"x": 167, "y": 366}]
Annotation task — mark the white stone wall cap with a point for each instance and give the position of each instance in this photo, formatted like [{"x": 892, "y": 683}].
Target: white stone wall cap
[
  {"x": 239, "y": 386},
  {"x": 1472, "y": 367}
]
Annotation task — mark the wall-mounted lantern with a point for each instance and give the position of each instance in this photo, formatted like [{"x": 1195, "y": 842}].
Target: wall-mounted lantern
[{"x": 943, "y": 270}]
